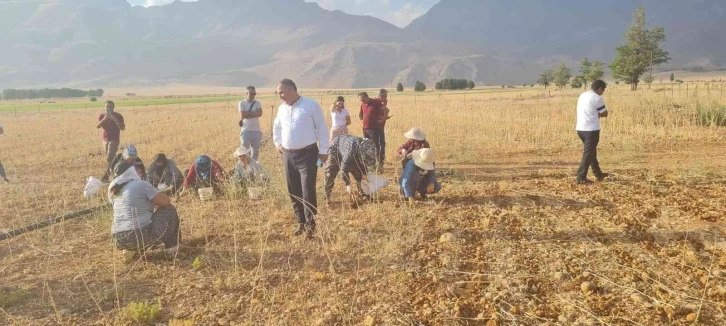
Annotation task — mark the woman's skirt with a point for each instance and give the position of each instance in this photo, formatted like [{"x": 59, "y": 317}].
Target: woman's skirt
[
  {"x": 338, "y": 131},
  {"x": 164, "y": 229}
]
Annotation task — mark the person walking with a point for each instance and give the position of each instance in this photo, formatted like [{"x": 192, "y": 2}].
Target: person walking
[
  {"x": 374, "y": 118},
  {"x": 590, "y": 109},
  {"x": 340, "y": 117},
  {"x": 250, "y": 112},
  {"x": 112, "y": 124},
  {"x": 300, "y": 134}
]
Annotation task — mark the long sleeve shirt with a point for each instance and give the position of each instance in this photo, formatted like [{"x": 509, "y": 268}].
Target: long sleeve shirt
[
  {"x": 170, "y": 175},
  {"x": 373, "y": 114},
  {"x": 253, "y": 173},
  {"x": 300, "y": 125},
  {"x": 217, "y": 175},
  {"x": 411, "y": 145},
  {"x": 412, "y": 180}
]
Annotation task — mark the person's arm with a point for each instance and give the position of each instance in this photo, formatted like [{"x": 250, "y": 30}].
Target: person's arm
[
  {"x": 347, "y": 120},
  {"x": 191, "y": 177},
  {"x": 255, "y": 113},
  {"x": 604, "y": 114},
  {"x": 240, "y": 109},
  {"x": 360, "y": 113},
  {"x": 602, "y": 111},
  {"x": 217, "y": 171},
  {"x": 120, "y": 122},
  {"x": 1, "y": 130},
  {"x": 321, "y": 128},
  {"x": 277, "y": 132},
  {"x": 101, "y": 120}
]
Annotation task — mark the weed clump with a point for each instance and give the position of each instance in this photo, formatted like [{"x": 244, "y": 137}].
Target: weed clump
[
  {"x": 144, "y": 312},
  {"x": 713, "y": 115},
  {"x": 11, "y": 297}
]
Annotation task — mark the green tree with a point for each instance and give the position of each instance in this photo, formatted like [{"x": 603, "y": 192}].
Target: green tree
[
  {"x": 420, "y": 87},
  {"x": 546, "y": 78},
  {"x": 399, "y": 87},
  {"x": 648, "y": 79},
  {"x": 585, "y": 71},
  {"x": 562, "y": 76},
  {"x": 438, "y": 86},
  {"x": 640, "y": 52},
  {"x": 596, "y": 72},
  {"x": 470, "y": 84},
  {"x": 673, "y": 77},
  {"x": 576, "y": 82}
]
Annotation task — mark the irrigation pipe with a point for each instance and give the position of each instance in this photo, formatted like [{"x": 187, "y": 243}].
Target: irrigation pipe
[{"x": 49, "y": 222}]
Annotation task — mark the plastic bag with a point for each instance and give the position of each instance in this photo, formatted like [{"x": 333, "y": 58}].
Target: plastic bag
[
  {"x": 374, "y": 185},
  {"x": 163, "y": 187},
  {"x": 93, "y": 186}
]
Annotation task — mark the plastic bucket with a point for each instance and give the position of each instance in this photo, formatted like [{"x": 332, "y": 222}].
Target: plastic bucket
[
  {"x": 206, "y": 193},
  {"x": 255, "y": 193}
]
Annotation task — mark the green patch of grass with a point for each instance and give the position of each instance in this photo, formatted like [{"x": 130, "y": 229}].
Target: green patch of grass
[
  {"x": 711, "y": 115},
  {"x": 144, "y": 312},
  {"x": 11, "y": 297}
]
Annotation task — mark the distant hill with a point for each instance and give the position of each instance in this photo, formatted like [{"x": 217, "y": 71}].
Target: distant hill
[{"x": 100, "y": 43}]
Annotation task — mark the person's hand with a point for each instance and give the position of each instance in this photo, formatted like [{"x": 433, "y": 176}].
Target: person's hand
[
  {"x": 323, "y": 157},
  {"x": 411, "y": 202},
  {"x": 409, "y": 156},
  {"x": 430, "y": 189},
  {"x": 349, "y": 190},
  {"x": 279, "y": 148}
]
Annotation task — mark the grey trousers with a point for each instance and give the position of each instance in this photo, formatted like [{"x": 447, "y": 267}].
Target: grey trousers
[
  {"x": 111, "y": 148},
  {"x": 252, "y": 139}
]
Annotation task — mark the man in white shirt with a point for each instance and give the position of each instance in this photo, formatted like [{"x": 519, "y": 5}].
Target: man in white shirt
[
  {"x": 300, "y": 134},
  {"x": 250, "y": 112},
  {"x": 590, "y": 108}
]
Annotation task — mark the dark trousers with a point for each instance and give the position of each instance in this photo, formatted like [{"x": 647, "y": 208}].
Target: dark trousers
[
  {"x": 590, "y": 139},
  {"x": 378, "y": 136},
  {"x": 301, "y": 171},
  {"x": 332, "y": 167}
]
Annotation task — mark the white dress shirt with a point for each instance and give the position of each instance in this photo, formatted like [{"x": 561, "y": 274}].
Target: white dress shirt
[{"x": 300, "y": 125}]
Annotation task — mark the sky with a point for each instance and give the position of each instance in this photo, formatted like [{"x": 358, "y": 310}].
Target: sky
[{"x": 397, "y": 12}]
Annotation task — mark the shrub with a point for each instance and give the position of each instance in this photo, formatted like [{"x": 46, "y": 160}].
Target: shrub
[
  {"x": 197, "y": 263},
  {"x": 10, "y": 297},
  {"x": 144, "y": 312},
  {"x": 93, "y": 99},
  {"x": 713, "y": 115}
]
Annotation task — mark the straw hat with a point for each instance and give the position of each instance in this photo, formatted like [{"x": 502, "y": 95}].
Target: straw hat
[
  {"x": 424, "y": 158},
  {"x": 416, "y": 134},
  {"x": 241, "y": 151}
]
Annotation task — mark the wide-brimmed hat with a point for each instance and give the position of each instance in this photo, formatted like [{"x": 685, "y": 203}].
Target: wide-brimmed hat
[
  {"x": 416, "y": 134},
  {"x": 241, "y": 151},
  {"x": 424, "y": 158}
]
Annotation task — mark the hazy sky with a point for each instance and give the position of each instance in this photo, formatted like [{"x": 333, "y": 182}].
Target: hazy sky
[{"x": 397, "y": 12}]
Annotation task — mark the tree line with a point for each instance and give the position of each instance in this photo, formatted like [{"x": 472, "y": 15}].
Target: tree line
[
  {"x": 638, "y": 55},
  {"x": 29, "y": 94},
  {"x": 454, "y": 84}
]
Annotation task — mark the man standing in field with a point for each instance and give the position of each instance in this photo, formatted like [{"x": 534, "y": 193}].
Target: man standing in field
[
  {"x": 300, "y": 134},
  {"x": 590, "y": 108},
  {"x": 383, "y": 98},
  {"x": 250, "y": 112},
  {"x": 374, "y": 118},
  {"x": 112, "y": 124}
]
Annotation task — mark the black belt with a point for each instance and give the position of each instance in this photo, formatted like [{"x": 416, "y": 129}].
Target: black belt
[{"x": 306, "y": 148}]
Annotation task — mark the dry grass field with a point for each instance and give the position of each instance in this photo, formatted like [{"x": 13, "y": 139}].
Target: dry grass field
[{"x": 529, "y": 247}]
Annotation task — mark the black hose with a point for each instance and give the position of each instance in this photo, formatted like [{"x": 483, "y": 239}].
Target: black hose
[{"x": 49, "y": 222}]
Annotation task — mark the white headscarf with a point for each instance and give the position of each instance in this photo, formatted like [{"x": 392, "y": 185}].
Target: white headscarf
[{"x": 126, "y": 177}]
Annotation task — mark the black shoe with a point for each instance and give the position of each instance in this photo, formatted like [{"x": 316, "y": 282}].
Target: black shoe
[
  {"x": 583, "y": 182},
  {"x": 300, "y": 229},
  {"x": 602, "y": 176}
]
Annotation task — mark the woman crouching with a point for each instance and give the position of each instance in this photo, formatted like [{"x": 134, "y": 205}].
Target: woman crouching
[{"x": 136, "y": 224}]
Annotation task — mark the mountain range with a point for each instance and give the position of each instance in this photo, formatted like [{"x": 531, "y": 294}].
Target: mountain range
[{"x": 104, "y": 43}]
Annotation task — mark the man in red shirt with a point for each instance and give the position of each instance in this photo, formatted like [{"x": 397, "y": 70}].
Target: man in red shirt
[
  {"x": 112, "y": 123},
  {"x": 374, "y": 118}
]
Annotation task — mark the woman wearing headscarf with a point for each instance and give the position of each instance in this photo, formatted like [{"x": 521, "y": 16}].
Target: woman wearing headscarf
[
  {"x": 340, "y": 118},
  {"x": 130, "y": 155},
  {"x": 203, "y": 173},
  {"x": 419, "y": 176},
  {"x": 164, "y": 172},
  {"x": 142, "y": 216}
]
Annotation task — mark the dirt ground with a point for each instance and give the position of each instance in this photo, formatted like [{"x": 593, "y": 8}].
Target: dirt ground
[{"x": 510, "y": 240}]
